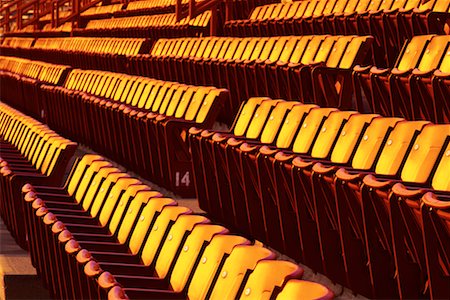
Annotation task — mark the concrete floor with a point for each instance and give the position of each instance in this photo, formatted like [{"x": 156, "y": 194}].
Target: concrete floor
[{"x": 18, "y": 278}]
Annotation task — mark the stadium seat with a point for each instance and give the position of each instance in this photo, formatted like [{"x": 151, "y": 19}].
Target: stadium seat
[{"x": 31, "y": 153}]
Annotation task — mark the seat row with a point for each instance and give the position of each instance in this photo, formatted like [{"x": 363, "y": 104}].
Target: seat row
[
  {"x": 30, "y": 153},
  {"x": 83, "y": 52},
  {"x": 102, "y": 234},
  {"x": 153, "y": 26},
  {"x": 342, "y": 192},
  {"x": 101, "y": 12},
  {"x": 315, "y": 69},
  {"x": 149, "y": 7},
  {"x": 138, "y": 122},
  {"x": 18, "y": 42},
  {"x": 390, "y": 22},
  {"x": 20, "y": 79},
  {"x": 417, "y": 88}
]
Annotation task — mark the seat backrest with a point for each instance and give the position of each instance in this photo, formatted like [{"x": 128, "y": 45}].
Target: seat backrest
[
  {"x": 309, "y": 9},
  {"x": 289, "y": 48},
  {"x": 245, "y": 115},
  {"x": 434, "y": 52},
  {"x": 372, "y": 141},
  {"x": 267, "y": 277},
  {"x": 318, "y": 10},
  {"x": 176, "y": 237},
  {"x": 441, "y": 178},
  {"x": 300, "y": 48},
  {"x": 338, "y": 50},
  {"x": 362, "y": 6},
  {"x": 96, "y": 191},
  {"x": 292, "y": 123},
  {"x": 397, "y": 145},
  {"x": 411, "y": 55},
  {"x": 242, "y": 260},
  {"x": 148, "y": 236},
  {"x": 328, "y": 9},
  {"x": 298, "y": 8},
  {"x": 309, "y": 129},
  {"x": 212, "y": 259},
  {"x": 311, "y": 49},
  {"x": 275, "y": 120},
  {"x": 445, "y": 63},
  {"x": 441, "y": 6},
  {"x": 355, "y": 51},
  {"x": 340, "y": 5},
  {"x": 325, "y": 49},
  {"x": 424, "y": 153},
  {"x": 259, "y": 118},
  {"x": 329, "y": 133},
  {"x": 191, "y": 253},
  {"x": 350, "y": 136}
]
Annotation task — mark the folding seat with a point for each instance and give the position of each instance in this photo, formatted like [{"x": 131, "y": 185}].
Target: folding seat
[
  {"x": 220, "y": 46},
  {"x": 201, "y": 111},
  {"x": 49, "y": 156},
  {"x": 434, "y": 213},
  {"x": 331, "y": 85},
  {"x": 235, "y": 269},
  {"x": 204, "y": 51},
  {"x": 283, "y": 26},
  {"x": 88, "y": 236},
  {"x": 300, "y": 75},
  {"x": 303, "y": 170},
  {"x": 421, "y": 87},
  {"x": 176, "y": 268},
  {"x": 431, "y": 20},
  {"x": 396, "y": 29},
  {"x": 201, "y": 151},
  {"x": 313, "y": 23},
  {"x": 384, "y": 28},
  {"x": 271, "y": 50},
  {"x": 267, "y": 72},
  {"x": 293, "y": 25},
  {"x": 375, "y": 192},
  {"x": 400, "y": 87},
  {"x": 403, "y": 23},
  {"x": 301, "y": 289},
  {"x": 351, "y": 223},
  {"x": 279, "y": 10},
  {"x": 265, "y": 286},
  {"x": 127, "y": 245},
  {"x": 281, "y": 204},
  {"x": 407, "y": 228},
  {"x": 366, "y": 25},
  {"x": 372, "y": 83},
  {"x": 282, "y": 11},
  {"x": 348, "y": 23},
  {"x": 304, "y": 53},
  {"x": 222, "y": 185},
  {"x": 240, "y": 160},
  {"x": 367, "y": 149}
]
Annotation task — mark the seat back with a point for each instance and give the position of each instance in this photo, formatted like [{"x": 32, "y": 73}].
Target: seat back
[
  {"x": 268, "y": 277},
  {"x": 211, "y": 261},
  {"x": 424, "y": 153},
  {"x": 237, "y": 266}
]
